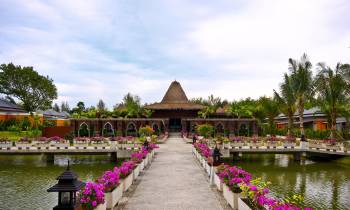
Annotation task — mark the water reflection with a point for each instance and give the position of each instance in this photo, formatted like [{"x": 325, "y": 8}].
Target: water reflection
[
  {"x": 25, "y": 179},
  {"x": 325, "y": 185}
]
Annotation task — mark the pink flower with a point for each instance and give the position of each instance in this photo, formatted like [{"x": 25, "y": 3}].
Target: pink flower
[{"x": 94, "y": 203}]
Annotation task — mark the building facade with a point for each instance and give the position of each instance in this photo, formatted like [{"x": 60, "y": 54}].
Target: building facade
[{"x": 175, "y": 113}]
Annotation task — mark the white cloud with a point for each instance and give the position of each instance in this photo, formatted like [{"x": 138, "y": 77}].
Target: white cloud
[{"x": 104, "y": 49}]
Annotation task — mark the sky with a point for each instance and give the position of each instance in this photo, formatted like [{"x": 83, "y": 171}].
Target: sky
[{"x": 103, "y": 49}]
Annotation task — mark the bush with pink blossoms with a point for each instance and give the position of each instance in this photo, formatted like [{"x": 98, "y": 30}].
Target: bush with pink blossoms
[
  {"x": 110, "y": 180},
  {"x": 257, "y": 193},
  {"x": 126, "y": 168},
  {"x": 153, "y": 146},
  {"x": 233, "y": 177},
  {"x": 203, "y": 149},
  {"x": 144, "y": 152},
  {"x": 137, "y": 157},
  {"x": 92, "y": 195}
]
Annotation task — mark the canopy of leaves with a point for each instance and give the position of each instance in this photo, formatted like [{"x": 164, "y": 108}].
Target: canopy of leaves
[{"x": 24, "y": 83}]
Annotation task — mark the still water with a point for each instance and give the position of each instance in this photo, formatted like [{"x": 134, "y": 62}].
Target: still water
[
  {"x": 25, "y": 179},
  {"x": 324, "y": 185}
]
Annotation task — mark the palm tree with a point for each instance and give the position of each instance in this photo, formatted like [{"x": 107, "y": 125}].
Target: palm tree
[
  {"x": 332, "y": 93},
  {"x": 286, "y": 101},
  {"x": 301, "y": 81},
  {"x": 270, "y": 108}
]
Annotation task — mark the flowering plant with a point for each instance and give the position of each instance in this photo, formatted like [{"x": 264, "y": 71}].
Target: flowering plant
[
  {"x": 109, "y": 180},
  {"x": 56, "y": 139},
  {"x": 153, "y": 146},
  {"x": 203, "y": 149},
  {"x": 126, "y": 168},
  {"x": 257, "y": 193},
  {"x": 144, "y": 152},
  {"x": 137, "y": 157},
  {"x": 233, "y": 177},
  {"x": 92, "y": 195}
]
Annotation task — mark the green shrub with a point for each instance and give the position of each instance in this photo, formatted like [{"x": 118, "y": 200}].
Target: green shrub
[
  {"x": 205, "y": 130},
  {"x": 25, "y": 124},
  {"x": 146, "y": 131}
]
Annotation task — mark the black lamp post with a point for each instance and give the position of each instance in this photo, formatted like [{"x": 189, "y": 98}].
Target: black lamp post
[{"x": 67, "y": 187}]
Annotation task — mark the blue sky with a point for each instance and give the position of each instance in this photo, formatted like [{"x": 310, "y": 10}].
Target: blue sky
[{"x": 233, "y": 49}]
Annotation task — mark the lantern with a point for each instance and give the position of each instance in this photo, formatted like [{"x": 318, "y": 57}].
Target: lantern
[{"x": 67, "y": 187}]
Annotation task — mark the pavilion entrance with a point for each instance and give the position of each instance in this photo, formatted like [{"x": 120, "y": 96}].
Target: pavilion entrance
[{"x": 175, "y": 125}]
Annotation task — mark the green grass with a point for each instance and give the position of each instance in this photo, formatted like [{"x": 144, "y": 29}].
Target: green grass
[{"x": 15, "y": 135}]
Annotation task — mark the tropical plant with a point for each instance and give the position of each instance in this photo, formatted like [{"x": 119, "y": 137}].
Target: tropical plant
[
  {"x": 332, "y": 93},
  {"x": 205, "y": 130},
  {"x": 132, "y": 105},
  {"x": 286, "y": 100},
  {"x": 270, "y": 108},
  {"x": 301, "y": 81},
  {"x": 146, "y": 131}
]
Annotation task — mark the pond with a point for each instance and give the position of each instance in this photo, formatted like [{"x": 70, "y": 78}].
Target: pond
[
  {"x": 324, "y": 185},
  {"x": 25, "y": 179}
]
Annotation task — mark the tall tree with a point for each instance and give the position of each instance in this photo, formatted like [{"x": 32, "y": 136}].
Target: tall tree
[
  {"x": 65, "y": 107},
  {"x": 101, "y": 106},
  {"x": 24, "y": 83},
  {"x": 56, "y": 107},
  {"x": 270, "y": 108},
  {"x": 301, "y": 80},
  {"x": 332, "y": 93},
  {"x": 286, "y": 100},
  {"x": 132, "y": 105}
]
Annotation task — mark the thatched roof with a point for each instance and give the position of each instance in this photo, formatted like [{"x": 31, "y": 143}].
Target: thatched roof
[{"x": 175, "y": 98}]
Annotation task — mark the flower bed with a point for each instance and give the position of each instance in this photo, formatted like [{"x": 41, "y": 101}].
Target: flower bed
[
  {"x": 93, "y": 196},
  {"x": 109, "y": 188},
  {"x": 112, "y": 187}
]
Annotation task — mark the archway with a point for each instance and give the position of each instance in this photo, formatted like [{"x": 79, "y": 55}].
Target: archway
[
  {"x": 155, "y": 127},
  {"x": 243, "y": 130},
  {"x": 84, "y": 130},
  {"x": 107, "y": 130},
  {"x": 219, "y": 129},
  {"x": 131, "y": 129}
]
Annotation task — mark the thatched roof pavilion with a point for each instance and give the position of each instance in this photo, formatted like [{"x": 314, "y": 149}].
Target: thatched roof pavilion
[{"x": 175, "y": 99}]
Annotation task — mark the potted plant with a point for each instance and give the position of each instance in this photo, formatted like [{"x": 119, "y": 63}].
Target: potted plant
[
  {"x": 92, "y": 197},
  {"x": 126, "y": 172},
  {"x": 112, "y": 188},
  {"x": 137, "y": 158},
  {"x": 232, "y": 178},
  {"x": 217, "y": 180}
]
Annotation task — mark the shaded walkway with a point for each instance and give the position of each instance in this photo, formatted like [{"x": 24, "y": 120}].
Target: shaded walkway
[{"x": 173, "y": 181}]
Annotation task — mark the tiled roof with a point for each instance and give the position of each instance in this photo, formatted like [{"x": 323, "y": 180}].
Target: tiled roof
[{"x": 9, "y": 107}]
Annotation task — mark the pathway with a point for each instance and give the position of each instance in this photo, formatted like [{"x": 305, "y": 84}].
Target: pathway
[{"x": 173, "y": 181}]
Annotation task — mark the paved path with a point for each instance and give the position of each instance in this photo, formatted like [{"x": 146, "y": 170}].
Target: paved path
[{"x": 173, "y": 181}]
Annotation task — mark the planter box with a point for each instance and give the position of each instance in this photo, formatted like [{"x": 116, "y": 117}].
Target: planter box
[
  {"x": 101, "y": 207},
  {"x": 146, "y": 161},
  {"x": 127, "y": 182},
  {"x": 217, "y": 182},
  {"x": 288, "y": 144},
  {"x": 23, "y": 145},
  {"x": 112, "y": 198},
  {"x": 137, "y": 171},
  {"x": 237, "y": 144},
  {"x": 304, "y": 145},
  {"x": 207, "y": 168},
  {"x": 204, "y": 162},
  {"x": 242, "y": 205},
  {"x": 142, "y": 165},
  {"x": 149, "y": 156},
  {"x": 230, "y": 197}
]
